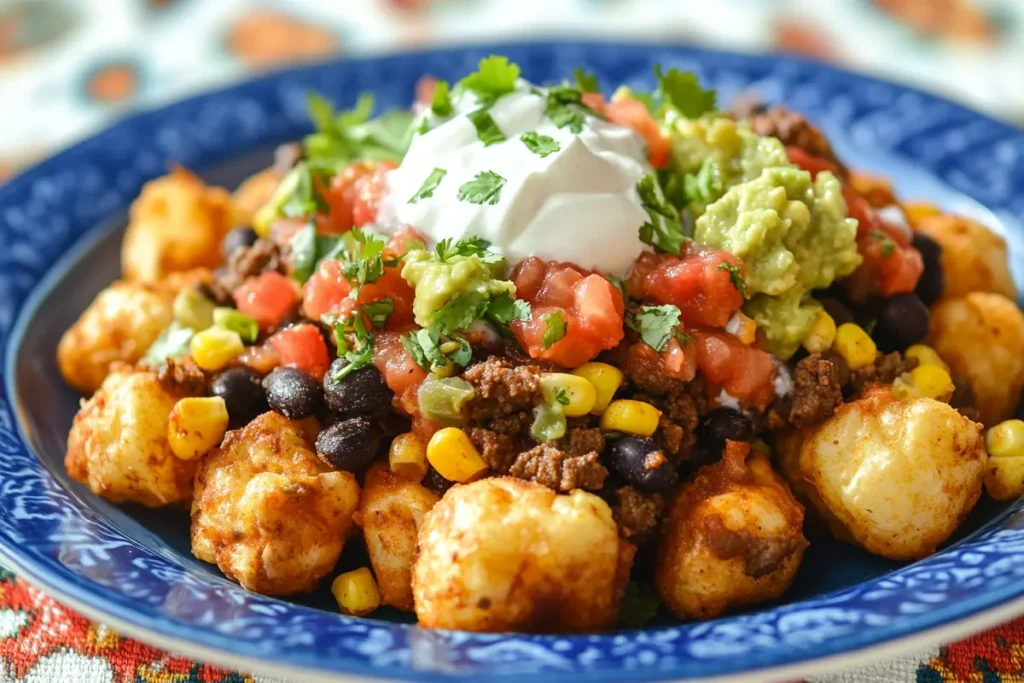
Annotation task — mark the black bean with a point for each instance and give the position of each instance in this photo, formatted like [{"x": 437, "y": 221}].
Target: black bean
[
  {"x": 292, "y": 392},
  {"x": 838, "y": 310},
  {"x": 933, "y": 279},
  {"x": 434, "y": 482},
  {"x": 349, "y": 445},
  {"x": 642, "y": 463},
  {"x": 903, "y": 320},
  {"x": 706, "y": 451},
  {"x": 237, "y": 238},
  {"x": 362, "y": 392},
  {"x": 723, "y": 423},
  {"x": 242, "y": 391}
]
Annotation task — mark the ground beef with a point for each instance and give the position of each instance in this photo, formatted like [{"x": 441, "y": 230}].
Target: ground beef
[
  {"x": 761, "y": 556},
  {"x": 816, "y": 391},
  {"x": 244, "y": 262},
  {"x": 181, "y": 377},
  {"x": 498, "y": 450},
  {"x": 581, "y": 438},
  {"x": 681, "y": 410},
  {"x": 501, "y": 388},
  {"x": 791, "y": 128},
  {"x": 884, "y": 370},
  {"x": 637, "y": 514},
  {"x": 558, "y": 470}
]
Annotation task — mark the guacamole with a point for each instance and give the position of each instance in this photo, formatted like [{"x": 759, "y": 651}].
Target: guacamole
[
  {"x": 439, "y": 281},
  {"x": 791, "y": 231}
]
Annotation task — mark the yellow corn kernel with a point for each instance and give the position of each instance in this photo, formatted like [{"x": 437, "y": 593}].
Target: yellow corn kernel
[
  {"x": 215, "y": 347},
  {"x": 408, "y": 457},
  {"x": 356, "y": 592},
  {"x": 1004, "y": 477},
  {"x": 742, "y": 327},
  {"x": 630, "y": 417},
  {"x": 928, "y": 381},
  {"x": 576, "y": 395},
  {"x": 1006, "y": 439},
  {"x": 606, "y": 380},
  {"x": 822, "y": 333},
  {"x": 925, "y": 355},
  {"x": 196, "y": 426},
  {"x": 855, "y": 346},
  {"x": 916, "y": 212},
  {"x": 454, "y": 456}
]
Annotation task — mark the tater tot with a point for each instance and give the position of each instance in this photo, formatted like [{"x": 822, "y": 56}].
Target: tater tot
[{"x": 973, "y": 257}]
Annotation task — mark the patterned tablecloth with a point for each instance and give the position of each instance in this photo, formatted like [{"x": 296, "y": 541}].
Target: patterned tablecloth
[{"x": 68, "y": 67}]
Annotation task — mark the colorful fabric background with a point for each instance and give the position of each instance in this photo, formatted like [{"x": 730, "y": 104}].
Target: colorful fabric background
[{"x": 67, "y": 68}]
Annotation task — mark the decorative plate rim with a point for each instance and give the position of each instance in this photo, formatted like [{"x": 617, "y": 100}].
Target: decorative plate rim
[{"x": 667, "y": 660}]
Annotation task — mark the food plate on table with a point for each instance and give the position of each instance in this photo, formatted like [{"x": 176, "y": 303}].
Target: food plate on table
[{"x": 620, "y": 361}]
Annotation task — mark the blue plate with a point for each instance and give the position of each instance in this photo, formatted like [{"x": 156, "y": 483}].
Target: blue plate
[{"x": 60, "y": 226}]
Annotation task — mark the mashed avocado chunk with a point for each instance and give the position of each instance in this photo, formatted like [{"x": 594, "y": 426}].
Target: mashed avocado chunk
[
  {"x": 438, "y": 281},
  {"x": 791, "y": 231}
]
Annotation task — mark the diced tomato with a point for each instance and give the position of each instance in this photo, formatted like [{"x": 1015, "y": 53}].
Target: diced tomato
[
  {"x": 391, "y": 284},
  {"x": 814, "y": 165},
  {"x": 674, "y": 361},
  {"x": 266, "y": 298},
  {"x": 398, "y": 246},
  {"x": 695, "y": 282},
  {"x": 591, "y": 307},
  {"x": 325, "y": 291},
  {"x": 891, "y": 264},
  {"x": 370, "y": 190},
  {"x": 353, "y": 196},
  {"x": 303, "y": 347},
  {"x": 425, "y": 90},
  {"x": 745, "y": 372},
  {"x": 328, "y": 291},
  {"x": 282, "y": 230},
  {"x": 262, "y": 358},
  {"x": 595, "y": 101},
  {"x": 632, "y": 113},
  {"x": 401, "y": 373}
]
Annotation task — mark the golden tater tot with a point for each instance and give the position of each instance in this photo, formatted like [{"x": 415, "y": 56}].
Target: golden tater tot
[
  {"x": 973, "y": 257},
  {"x": 255, "y": 191}
]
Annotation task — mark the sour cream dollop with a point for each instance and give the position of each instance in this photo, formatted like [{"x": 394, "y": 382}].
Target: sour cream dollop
[{"x": 577, "y": 204}]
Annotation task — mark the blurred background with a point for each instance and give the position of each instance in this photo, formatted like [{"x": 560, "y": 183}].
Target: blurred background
[{"x": 67, "y": 66}]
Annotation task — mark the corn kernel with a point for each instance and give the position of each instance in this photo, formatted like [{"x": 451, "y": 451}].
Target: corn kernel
[
  {"x": 630, "y": 417},
  {"x": 215, "y": 347},
  {"x": 822, "y": 333},
  {"x": 606, "y": 380},
  {"x": 575, "y": 394},
  {"x": 454, "y": 456},
  {"x": 928, "y": 381},
  {"x": 742, "y": 327},
  {"x": 196, "y": 426},
  {"x": 1006, "y": 439},
  {"x": 917, "y": 212},
  {"x": 408, "y": 457},
  {"x": 855, "y": 346},
  {"x": 1004, "y": 477},
  {"x": 356, "y": 592},
  {"x": 925, "y": 355}
]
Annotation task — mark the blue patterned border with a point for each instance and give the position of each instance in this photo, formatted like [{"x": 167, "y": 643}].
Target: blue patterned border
[{"x": 64, "y": 547}]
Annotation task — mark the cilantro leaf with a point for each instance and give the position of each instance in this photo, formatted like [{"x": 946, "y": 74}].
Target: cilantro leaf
[
  {"x": 664, "y": 230},
  {"x": 303, "y": 252},
  {"x": 655, "y": 325},
  {"x": 495, "y": 76},
  {"x": 554, "y": 329},
  {"x": 561, "y": 397},
  {"x": 303, "y": 198},
  {"x": 563, "y": 110},
  {"x": 441, "y": 104},
  {"x": 586, "y": 82},
  {"x": 485, "y": 188},
  {"x": 430, "y": 353},
  {"x": 736, "y": 275},
  {"x": 639, "y": 605},
  {"x": 885, "y": 242},
  {"x": 705, "y": 185},
  {"x": 486, "y": 129},
  {"x": 412, "y": 345},
  {"x": 341, "y": 138},
  {"x": 429, "y": 185},
  {"x": 459, "y": 313},
  {"x": 681, "y": 90},
  {"x": 471, "y": 246},
  {"x": 541, "y": 145},
  {"x": 503, "y": 309},
  {"x": 379, "y": 311},
  {"x": 360, "y": 354}
]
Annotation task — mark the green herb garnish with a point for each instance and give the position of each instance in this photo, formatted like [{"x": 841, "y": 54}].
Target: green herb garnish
[
  {"x": 704, "y": 186},
  {"x": 487, "y": 130},
  {"x": 172, "y": 343},
  {"x": 349, "y": 135},
  {"x": 656, "y": 325},
  {"x": 360, "y": 354},
  {"x": 554, "y": 329},
  {"x": 495, "y": 76},
  {"x": 485, "y": 188},
  {"x": 586, "y": 82},
  {"x": 541, "y": 145},
  {"x": 682, "y": 91},
  {"x": 736, "y": 276},
  {"x": 885, "y": 242},
  {"x": 429, "y": 185},
  {"x": 503, "y": 309},
  {"x": 471, "y": 246},
  {"x": 664, "y": 230},
  {"x": 379, "y": 311},
  {"x": 564, "y": 108},
  {"x": 441, "y": 104},
  {"x": 561, "y": 397}
]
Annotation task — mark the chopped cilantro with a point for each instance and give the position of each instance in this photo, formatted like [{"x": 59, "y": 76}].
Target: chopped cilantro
[
  {"x": 664, "y": 230},
  {"x": 656, "y": 325},
  {"x": 736, "y": 276},
  {"x": 360, "y": 354},
  {"x": 172, "y": 343},
  {"x": 541, "y": 145},
  {"x": 430, "y": 353},
  {"x": 459, "y": 313},
  {"x": 471, "y": 246},
  {"x": 429, "y": 185},
  {"x": 307, "y": 249},
  {"x": 564, "y": 108},
  {"x": 639, "y": 605},
  {"x": 503, "y": 309},
  {"x": 705, "y": 185},
  {"x": 485, "y": 188},
  {"x": 884, "y": 241},
  {"x": 364, "y": 263},
  {"x": 554, "y": 329},
  {"x": 349, "y": 135},
  {"x": 486, "y": 128},
  {"x": 379, "y": 311},
  {"x": 495, "y": 76},
  {"x": 586, "y": 82},
  {"x": 681, "y": 90},
  {"x": 561, "y": 397},
  {"x": 304, "y": 199},
  {"x": 441, "y": 104}
]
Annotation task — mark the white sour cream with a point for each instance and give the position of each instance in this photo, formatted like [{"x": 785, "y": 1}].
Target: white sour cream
[{"x": 578, "y": 204}]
